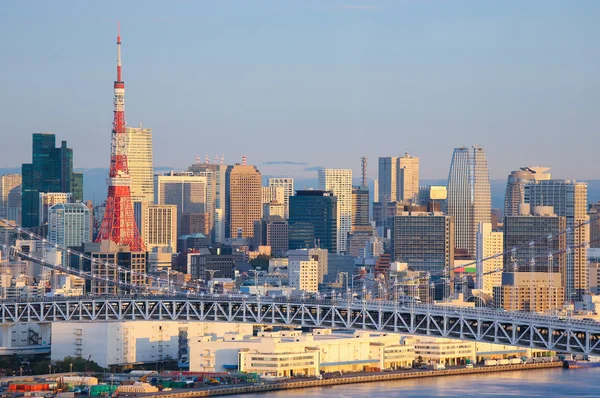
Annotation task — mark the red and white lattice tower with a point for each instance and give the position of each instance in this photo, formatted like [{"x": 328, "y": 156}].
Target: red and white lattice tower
[{"x": 119, "y": 224}]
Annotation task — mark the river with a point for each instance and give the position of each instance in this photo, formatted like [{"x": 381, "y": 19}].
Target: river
[{"x": 556, "y": 382}]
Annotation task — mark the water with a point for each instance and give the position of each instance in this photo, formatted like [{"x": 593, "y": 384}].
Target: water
[{"x": 556, "y": 382}]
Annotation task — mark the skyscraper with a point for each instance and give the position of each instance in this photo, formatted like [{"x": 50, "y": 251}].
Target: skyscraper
[
  {"x": 569, "y": 199},
  {"x": 69, "y": 224},
  {"x": 51, "y": 170},
  {"x": 10, "y": 197},
  {"x": 515, "y": 187},
  {"x": 387, "y": 179},
  {"x": 360, "y": 207},
  {"x": 49, "y": 199},
  {"x": 158, "y": 224},
  {"x": 469, "y": 195},
  {"x": 288, "y": 190},
  {"x": 490, "y": 245},
  {"x": 189, "y": 192},
  {"x": 215, "y": 173},
  {"x": 243, "y": 200},
  {"x": 339, "y": 181},
  {"x": 408, "y": 178},
  {"x": 313, "y": 220},
  {"x": 139, "y": 157}
]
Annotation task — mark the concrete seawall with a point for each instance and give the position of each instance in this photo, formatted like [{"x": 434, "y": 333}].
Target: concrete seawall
[{"x": 354, "y": 379}]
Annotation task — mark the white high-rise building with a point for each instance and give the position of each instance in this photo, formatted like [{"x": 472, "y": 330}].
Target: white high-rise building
[
  {"x": 339, "y": 181},
  {"x": 49, "y": 199},
  {"x": 321, "y": 256},
  {"x": 273, "y": 195},
  {"x": 288, "y": 190},
  {"x": 408, "y": 178},
  {"x": 515, "y": 187},
  {"x": 157, "y": 224},
  {"x": 469, "y": 195},
  {"x": 489, "y": 245},
  {"x": 69, "y": 224},
  {"x": 139, "y": 160}
]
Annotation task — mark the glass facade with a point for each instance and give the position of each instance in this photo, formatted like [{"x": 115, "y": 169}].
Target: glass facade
[
  {"x": 469, "y": 195},
  {"x": 313, "y": 220},
  {"x": 51, "y": 170}
]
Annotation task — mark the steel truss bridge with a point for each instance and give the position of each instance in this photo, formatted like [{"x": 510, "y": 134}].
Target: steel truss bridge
[{"x": 472, "y": 324}]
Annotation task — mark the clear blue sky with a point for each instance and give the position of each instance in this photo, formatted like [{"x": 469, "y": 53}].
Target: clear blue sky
[{"x": 319, "y": 82}]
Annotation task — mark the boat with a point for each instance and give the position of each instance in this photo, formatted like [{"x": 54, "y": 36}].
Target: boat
[{"x": 578, "y": 363}]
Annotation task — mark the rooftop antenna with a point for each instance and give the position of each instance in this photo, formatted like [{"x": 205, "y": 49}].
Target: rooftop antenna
[
  {"x": 222, "y": 159},
  {"x": 197, "y": 159},
  {"x": 243, "y": 160},
  {"x": 206, "y": 160},
  {"x": 216, "y": 159}
]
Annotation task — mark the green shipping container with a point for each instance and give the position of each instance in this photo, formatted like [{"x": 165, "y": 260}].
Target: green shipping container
[{"x": 102, "y": 389}]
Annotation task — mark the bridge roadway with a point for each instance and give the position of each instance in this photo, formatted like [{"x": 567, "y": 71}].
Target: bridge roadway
[{"x": 474, "y": 324}]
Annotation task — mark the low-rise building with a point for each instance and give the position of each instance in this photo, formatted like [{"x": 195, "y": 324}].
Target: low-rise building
[
  {"x": 129, "y": 342},
  {"x": 292, "y": 353},
  {"x": 445, "y": 351}
]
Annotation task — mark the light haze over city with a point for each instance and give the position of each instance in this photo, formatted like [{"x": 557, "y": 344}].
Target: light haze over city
[{"x": 318, "y": 83}]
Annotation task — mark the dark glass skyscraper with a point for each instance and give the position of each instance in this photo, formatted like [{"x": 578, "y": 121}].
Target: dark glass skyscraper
[
  {"x": 313, "y": 220},
  {"x": 51, "y": 170}
]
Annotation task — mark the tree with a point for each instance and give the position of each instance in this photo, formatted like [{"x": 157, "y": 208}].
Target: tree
[{"x": 262, "y": 262}]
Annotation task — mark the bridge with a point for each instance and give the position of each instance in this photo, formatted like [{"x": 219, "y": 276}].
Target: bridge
[{"x": 472, "y": 324}]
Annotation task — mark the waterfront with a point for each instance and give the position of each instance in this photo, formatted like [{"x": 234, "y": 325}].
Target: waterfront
[{"x": 533, "y": 383}]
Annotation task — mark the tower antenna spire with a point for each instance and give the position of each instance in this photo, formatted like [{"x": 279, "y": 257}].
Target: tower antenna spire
[{"x": 118, "y": 224}]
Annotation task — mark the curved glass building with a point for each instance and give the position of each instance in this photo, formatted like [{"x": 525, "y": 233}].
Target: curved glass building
[{"x": 469, "y": 195}]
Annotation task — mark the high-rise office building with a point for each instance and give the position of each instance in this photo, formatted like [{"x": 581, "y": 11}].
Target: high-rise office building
[
  {"x": 139, "y": 159},
  {"x": 51, "y": 170},
  {"x": 535, "y": 224},
  {"x": 469, "y": 195},
  {"x": 217, "y": 184},
  {"x": 272, "y": 231},
  {"x": 187, "y": 191},
  {"x": 360, "y": 207},
  {"x": 49, "y": 199},
  {"x": 434, "y": 197},
  {"x": 490, "y": 261},
  {"x": 408, "y": 178},
  {"x": 157, "y": 223},
  {"x": 124, "y": 265},
  {"x": 594, "y": 214},
  {"x": 339, "y": 181},
  {"x": 10, "y": 197},
  {"x": 425, "y": 241},
  {"x": 243, "y": 203},
  {"x": 273, "y": 201},
  {"x": 313, "y": 220},
  {"x": 515, "y": 187},
  {"x": 288, "y": 190},
  {"x": 569, "y": 200},
  {"x": 69, "y": 224},
  {"x": 387, "y": 179}
]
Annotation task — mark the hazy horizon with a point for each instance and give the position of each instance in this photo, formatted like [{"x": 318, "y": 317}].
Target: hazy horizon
[{"x": 317, "y": 83}]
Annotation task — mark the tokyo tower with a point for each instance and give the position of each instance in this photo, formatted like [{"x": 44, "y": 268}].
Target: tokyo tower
[{"x": 119, "y": 224}]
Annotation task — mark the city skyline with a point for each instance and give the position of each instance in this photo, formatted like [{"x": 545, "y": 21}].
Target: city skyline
[{"x": 357, "y": 92}]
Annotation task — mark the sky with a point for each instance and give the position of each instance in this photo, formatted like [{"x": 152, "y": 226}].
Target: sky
[{"x": 312, "y": 83}]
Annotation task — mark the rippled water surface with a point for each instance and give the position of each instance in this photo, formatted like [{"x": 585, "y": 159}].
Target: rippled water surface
[{"x": 532, "y": 383}]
